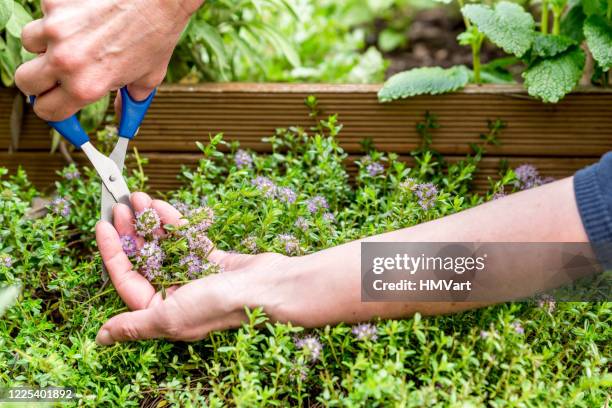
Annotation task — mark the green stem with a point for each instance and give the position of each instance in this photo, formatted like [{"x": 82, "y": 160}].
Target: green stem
[
  {"x": 465, "y": 20},
  {"x": 476, "y": 59},
  {"x": 556, "y": 23},
  {"x": 609, "y": 13},
  {"x": 544, "y": 21}
]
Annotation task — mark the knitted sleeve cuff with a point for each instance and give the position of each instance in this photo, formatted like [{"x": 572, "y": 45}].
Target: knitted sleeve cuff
[{"x": 593, "y": 188}]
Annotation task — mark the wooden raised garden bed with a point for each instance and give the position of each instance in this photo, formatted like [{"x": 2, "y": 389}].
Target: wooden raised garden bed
[{"x": 557, "y": 138}]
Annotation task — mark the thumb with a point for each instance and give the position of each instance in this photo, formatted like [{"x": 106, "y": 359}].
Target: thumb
[
  {"x": 137, "y": 325},
  {"x": 141, "y": 89}
]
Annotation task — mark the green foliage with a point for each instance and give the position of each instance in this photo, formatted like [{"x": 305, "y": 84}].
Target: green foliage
[
  {"x": 550, "y": 45},
  {"x": 6, "y": 11},
  {"x": 419, "y": 81},
  {"x": 507, "y": 25},
  {"x": 598, "y": 33},
  {"x": 550, "y": 79},
  {"x": 476, "y": 357}
]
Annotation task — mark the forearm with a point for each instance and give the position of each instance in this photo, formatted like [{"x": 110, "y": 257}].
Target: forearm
[{"x": 325, "y": 287}]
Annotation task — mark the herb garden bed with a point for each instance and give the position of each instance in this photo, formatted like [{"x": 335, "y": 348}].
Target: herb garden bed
[{"x": 557, "y": 138}]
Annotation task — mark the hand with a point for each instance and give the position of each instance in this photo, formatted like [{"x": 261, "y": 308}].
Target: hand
[
  {"x": 89, "y": 47},
  {"x": 191, "y": 311}
]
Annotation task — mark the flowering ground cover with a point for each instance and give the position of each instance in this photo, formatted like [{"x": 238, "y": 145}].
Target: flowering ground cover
[{"x": 297, "y": 200}]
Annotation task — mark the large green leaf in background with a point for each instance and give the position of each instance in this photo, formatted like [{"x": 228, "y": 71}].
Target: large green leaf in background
[
  {"x": 420, "y": 81},
  {"x": 551, "y": 79},
  {"x": 598, "y": 33},
  {"x": 508, "y": 25},
  {"x": 6, "y": 11},
  {"x": 19, "y": 18}
]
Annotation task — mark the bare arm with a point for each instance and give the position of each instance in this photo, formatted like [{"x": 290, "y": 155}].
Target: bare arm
[{"x": 324, "y": 287}]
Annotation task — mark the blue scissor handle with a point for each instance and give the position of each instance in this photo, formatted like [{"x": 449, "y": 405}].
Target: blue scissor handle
[
  {"x": 132, "y": 113},
  {"x": 69, "y": 128}
]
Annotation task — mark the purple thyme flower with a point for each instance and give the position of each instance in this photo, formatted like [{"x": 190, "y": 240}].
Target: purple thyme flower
[
  {"x": 286, "y": 195},
  {"x": 181, "y": 207},
  {"x": 61, "y": 206},
  {"x": 528, "y": 176},
  {"x": 301, "y": 223},
  {"x": 409, "y": 184},
  {"x": 374, "y": 169},
  {"x": 484, "y": 334},
  {"x": 71, "y": 173},
  {"x": 427, "y": 194},
  {"x": 365, "y": 331},
  {"x": 292, "y": 245},
  {"x": 193, "y": 264},
  {"x": 498, "y": 195},
  {"x": 211, "y": 267},
  {"x": 6, "y": 260},
  {"x": 329, "y": 217},
  {"x": 265, "y": 185},
  {"x": 150, "y": 259},
  {"x": 202, "y": 218},
  {"x": 547, "y": 303},
  {"x": 316, "y": 203},
  {"x": 243, "y": 159},
  {"x": 250, "y": 243},
  {"x": 198, "y": 242},
  {"x": 518, "y": 328},
  {"x": 311, "y": 346},
  {"x": 147, "y": 221},
  {"x": 129, "y": 245}
]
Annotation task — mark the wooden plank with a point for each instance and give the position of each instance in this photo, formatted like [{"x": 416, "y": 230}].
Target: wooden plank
[
  {"x": 578, "y": 126},
  {"x": 163, "y": 169}
]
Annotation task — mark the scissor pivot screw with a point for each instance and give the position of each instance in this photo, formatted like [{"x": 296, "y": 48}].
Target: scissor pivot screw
[{"x": 112, "y": 178}]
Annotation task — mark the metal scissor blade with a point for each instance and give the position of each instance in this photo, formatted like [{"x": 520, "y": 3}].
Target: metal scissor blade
[
  {"x": 107, "y": 200},
  {"x": 110, "y": 174}
]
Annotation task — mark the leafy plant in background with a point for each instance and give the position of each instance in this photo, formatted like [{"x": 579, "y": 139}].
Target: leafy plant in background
[{"x": 554, "y": 61}]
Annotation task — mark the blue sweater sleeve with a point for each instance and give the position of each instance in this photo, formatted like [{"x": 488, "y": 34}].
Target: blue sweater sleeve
[{"x": 593, "y": 188}]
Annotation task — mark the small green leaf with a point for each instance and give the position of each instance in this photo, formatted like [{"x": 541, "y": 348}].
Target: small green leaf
[
  {"x": 420, "y": 81},
  {"x": 508, "y": 25},
  {"x": 552, "y": 78},
  {"x": 390, "y": 39},
  {"x": 8, "y": 296},
  {"x": 550, "y": 45},
  {"x": 19, "y": 18},
  {"x": 598, "y": 33},
  {"x": 6, "y": 11}
]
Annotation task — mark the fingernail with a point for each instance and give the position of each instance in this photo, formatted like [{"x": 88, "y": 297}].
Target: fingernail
[{"x": 104, "y": 338}]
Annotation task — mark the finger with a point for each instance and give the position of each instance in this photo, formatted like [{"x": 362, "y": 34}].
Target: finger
[
  {"x": 140, "y": 201},
  {"x": 35, "y": 77},
  {"x": 56, "y": 105},
  {"x": 132, "y": 287},
  {"x": 33, "y": 37},
  {"x": 158, "y": 298},
  {"x": 229, "y": 261},
  {"x": 141, "y": 89},
  {"x": 168, "y": 214},
  {"x": 123, "y": 220},
  {"x": 137, "y": 325}
]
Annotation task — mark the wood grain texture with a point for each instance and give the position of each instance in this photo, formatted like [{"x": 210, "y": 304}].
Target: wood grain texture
[
  {"x": 578, "y": 126},
  {"x": 163, "y": 169}
]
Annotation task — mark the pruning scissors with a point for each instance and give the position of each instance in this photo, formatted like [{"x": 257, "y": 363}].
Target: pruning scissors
[{"x": 110, "y": 169}]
